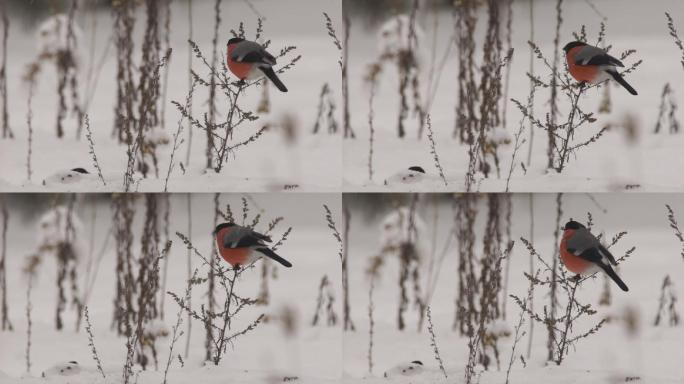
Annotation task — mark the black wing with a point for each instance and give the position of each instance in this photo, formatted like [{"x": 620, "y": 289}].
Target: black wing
[
  {"x": 593, "y": 255},
  {"x": 607, "y": 254},
  {"x": 252, "y": 239},
  {"x": 260, "y": 57},
  {"x": 604, "y": 59}
]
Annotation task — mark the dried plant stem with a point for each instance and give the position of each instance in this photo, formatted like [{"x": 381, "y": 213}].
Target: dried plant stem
[
  {"x": 189, "y": 273},
  {"x": 371, "y": 129},
  {"x": 343, "y": 255},
  {"x": 509, "y": 47},
  {"x": 348, "y": 323},
  {"x": 131, "y": 341},
  {"x": 667, "y": 110},
  {"x": 190, "y": 85},
  {"x": 124, "y": 23},
  {"x": 29, "y": 323},
  {"x": 91, "y": 144},
  {"x": 323, "y": 287},
  {"x": 531, "y": 272},
  {"x": 224, "y": 147},
  {"x": 4, "y": 308},
  {"x": 519, "y": 141},
  {"x": 29, "y": 124},
  {"x": 553, "y": 298},
  {"x": 211, "y": 281},
  {"x": 166, "y": 4},
  {"x": 406, "y": 63},
  {"x": 123, "y": 215},
  {"x": 433, "y": 151},
  {"x": 467, "y": 88},
  {"x": 518, "y": 335},
  {"x": 675, "y": 36},
  {"x": 346, "y": 119},
  {"x": 177, "y": 333},
  {"x": 433, "y": 343},
  {"x": 371, "y": 324},
  {"x": 177, "y": 141},
  {"x": 167, "y": 236},
  {"x": 226, "y": 317},
  {"x": 66, "y": 65},
  {"x": 212, "y": 94},
  {"x": 667, "y": 302},
  {"x": 531, "y": 104},
  {"x": 91, "y": 342},
  {"x": 490, "y": 87},
  {"x": 675, "y": 227},
  {"x": 553, "y": 98},
  {"x": 6, "y": 130},
  {"x": 466, "y": 213}
]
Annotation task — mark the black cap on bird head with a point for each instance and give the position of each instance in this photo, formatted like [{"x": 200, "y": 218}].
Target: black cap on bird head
[
  {"x": 572, "y": 224},
  {"x": 223, "y": 225},
  {"x": 572, "y": 45},
  {"x": 417, "y": 168},
  {"x": 235, "y": 40}
]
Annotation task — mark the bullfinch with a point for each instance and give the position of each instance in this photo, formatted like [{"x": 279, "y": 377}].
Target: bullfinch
[
  {"x": 589, "y": 64},
  {"x": 249, "y": 60},
  {"x": 582, "y": 253},
  {"x": 242, "y": 247}
]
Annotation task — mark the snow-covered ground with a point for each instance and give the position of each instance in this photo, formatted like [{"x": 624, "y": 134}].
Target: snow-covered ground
[
  {"x": 274, "y": 350},
  {"x": 615, "y": 163},
  {"x": 611, "y": 356},
  {"x": 278, "y": 160}
]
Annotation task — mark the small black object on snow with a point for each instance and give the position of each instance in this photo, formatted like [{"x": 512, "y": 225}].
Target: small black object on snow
[{"x": 406, "y": 369}]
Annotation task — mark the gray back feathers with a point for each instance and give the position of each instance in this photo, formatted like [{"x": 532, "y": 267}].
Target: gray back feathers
[
  {"x": 581, "y": 240},
  {"x": 233, "y": 236},
  {"x": 586, "y": 53},
  {"x": 253, "y": 52},
  {"x": 590, "y": 55}
]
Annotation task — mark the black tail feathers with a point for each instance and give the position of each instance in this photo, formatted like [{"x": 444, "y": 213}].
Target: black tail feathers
[
  {"x": 617, "y": 77},
  {"x": 272, "y": 255},
  {"x": 268, "y": 71},
  {"x": 610, "y": 272}
]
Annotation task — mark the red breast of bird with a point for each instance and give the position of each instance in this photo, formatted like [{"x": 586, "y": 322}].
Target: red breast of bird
[
  {"x": 574, "y": 264},
  {"x": 582, "y": 73},
  {"x": 241, "y": 70},
  {"x": 234, "y": 256}
]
